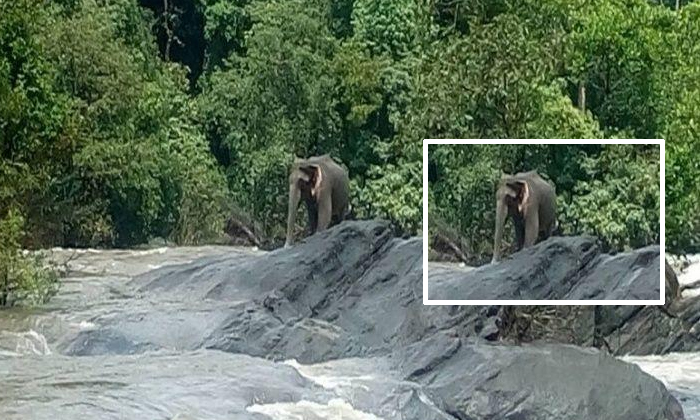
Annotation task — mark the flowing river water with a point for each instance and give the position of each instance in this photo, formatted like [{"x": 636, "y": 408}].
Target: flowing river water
[{"x": 40, "y": 382}]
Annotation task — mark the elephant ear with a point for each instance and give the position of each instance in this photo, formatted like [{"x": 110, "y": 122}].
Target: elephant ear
[
  {"x": 313, "y": 176},
  {"x": 297, "y": 175},
  {"x": 521, "y": 192},
  {"x": 316, "y": 180}
]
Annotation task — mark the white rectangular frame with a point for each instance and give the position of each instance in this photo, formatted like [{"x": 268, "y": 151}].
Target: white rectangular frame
[{"x": 662, "y": 222}]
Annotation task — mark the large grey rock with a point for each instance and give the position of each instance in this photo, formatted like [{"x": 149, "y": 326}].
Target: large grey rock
[
  {"x": 355, "y": 291},
  {"x": 651, "y": 329},
  {"x": 622, "y": 330},
  {"x": 534, "y": 382},
  {"x": 560, "y": 268}
]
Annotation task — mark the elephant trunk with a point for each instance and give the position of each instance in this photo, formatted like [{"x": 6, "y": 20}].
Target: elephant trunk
[
  {"x": 294, "y": 196},
  {"x": 501, "y": 211}
]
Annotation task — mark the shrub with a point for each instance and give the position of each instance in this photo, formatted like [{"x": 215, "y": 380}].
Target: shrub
[{"x": 24, "y": 279}]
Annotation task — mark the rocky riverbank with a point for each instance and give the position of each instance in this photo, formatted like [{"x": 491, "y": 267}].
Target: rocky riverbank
[
  {"x": 333, "y": 325},
  {"x": 560, "y": 268}
]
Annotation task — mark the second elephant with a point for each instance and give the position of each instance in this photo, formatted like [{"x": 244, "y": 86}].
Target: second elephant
[{"x": 531, "y": 202}]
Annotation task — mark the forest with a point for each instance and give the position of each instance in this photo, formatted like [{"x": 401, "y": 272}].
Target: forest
[
  {"x": 123, "y": 121},
  {"x": 609, "y": 191}
]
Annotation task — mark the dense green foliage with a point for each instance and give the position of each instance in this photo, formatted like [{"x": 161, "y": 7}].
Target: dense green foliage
[
  {"x": 99, "y": 141},
  {"x": 24, "y": 279},
  {"x": 124, "y": 120},
  {"x": 608, "y": 191}
]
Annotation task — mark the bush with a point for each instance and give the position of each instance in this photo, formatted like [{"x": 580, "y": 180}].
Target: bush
[
  {"x": 618, "y": 201},
  {"x": 24, "y": 279}
]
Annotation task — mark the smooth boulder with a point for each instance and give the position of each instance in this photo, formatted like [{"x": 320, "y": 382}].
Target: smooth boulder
[{"x": 560, "y": 268}]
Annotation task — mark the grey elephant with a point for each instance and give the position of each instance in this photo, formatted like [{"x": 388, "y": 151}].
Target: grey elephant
[
  {"x": 325, "y": 188},
  {"x": 531, "y": 202}
]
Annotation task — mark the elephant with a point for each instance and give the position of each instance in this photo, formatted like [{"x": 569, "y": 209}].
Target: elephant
[
  {"x": 531, "y": 202},
  {"x": 324, "y": 186}
]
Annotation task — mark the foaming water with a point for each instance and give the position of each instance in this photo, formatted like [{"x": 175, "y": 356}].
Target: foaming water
[
  {"x": 680, "y": 372},
  {"x": 25, "y": 342},
  {"x": 349, "y": 377},
  {"x": 85, "y": 325},
  {"x": 690, "y": 274},
  {"x": 335, "y": 409},
  {"x": 329, "y": 376}
]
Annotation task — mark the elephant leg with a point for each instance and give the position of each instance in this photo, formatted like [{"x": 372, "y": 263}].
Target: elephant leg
[
  {"x": 501, "y": 212},
  {"x": 324, "y": 211},
  {"x": 519, "y": 224},
  {"x": 549, "y": 231},
  {"x": 544, "y": 233},
  {"x": 532, "y": 228},
  {"x": 312, "y": 209},
  {"x": 294, "y": 196}
]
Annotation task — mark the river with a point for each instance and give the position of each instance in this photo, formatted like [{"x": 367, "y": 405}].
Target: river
[{"x": 39, "y": 381}]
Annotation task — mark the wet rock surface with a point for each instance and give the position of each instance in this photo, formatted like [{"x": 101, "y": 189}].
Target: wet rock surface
[
  {"x": 542, "y": 381},
  {"x": 620, "y": 330},
  {"x": 560, "y": 268},
  {"x": 347, "y": 305},
  {"x": 652, "y": 329}
]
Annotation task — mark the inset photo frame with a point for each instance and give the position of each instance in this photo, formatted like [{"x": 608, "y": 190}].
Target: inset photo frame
[{"x": 543, "y": 222}]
